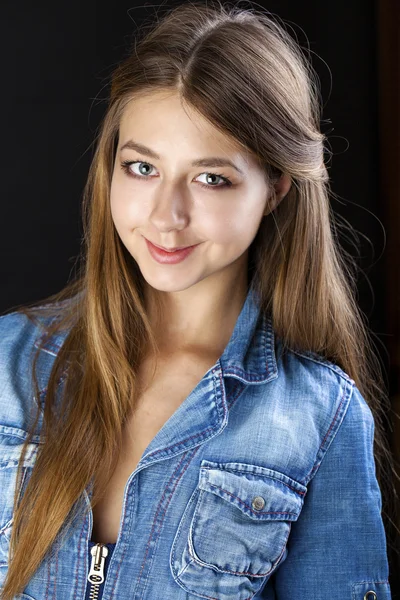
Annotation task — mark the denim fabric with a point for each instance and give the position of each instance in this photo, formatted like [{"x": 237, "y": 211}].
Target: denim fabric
[{"x": 262, "y": 483}]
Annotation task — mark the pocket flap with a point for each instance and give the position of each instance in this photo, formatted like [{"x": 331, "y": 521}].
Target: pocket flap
[{"x": 260, "y": 493}]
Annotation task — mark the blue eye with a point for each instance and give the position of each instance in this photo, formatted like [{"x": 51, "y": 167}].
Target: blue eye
[
  {"x": 126, "y": 167},
  {"x": 126, "y": 164}
]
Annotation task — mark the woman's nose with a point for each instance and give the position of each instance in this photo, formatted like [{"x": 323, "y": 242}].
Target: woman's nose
[{"x": 170, "y": 209}]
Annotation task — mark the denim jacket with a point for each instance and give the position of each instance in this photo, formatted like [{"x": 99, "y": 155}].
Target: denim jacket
[{"x": 261, "y": 484}]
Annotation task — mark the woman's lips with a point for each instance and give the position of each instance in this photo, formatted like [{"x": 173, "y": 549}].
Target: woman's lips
[
  {"x": 170, "y": 249},
  {"x": 169, "y": 257}
]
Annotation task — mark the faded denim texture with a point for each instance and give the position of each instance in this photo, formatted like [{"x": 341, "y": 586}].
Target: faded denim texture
[{"x": 261, "y": 484}]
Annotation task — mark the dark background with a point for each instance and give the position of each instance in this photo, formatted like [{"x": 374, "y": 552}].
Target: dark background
[{"x": 55, "y": 68}]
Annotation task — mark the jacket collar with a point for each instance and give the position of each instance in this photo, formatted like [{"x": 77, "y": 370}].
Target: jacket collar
[{"x": 250, "y": 353}]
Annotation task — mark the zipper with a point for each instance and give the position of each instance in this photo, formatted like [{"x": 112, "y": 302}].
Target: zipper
[{"x": 96, "y": 573}]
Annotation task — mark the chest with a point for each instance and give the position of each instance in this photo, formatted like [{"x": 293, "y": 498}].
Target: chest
[{"x": 158, "y": 399}]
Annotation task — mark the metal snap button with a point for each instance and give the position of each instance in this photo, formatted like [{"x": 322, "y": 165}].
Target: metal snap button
[
  {"x": 258, "y": 503},
  {"x": 370, "y": 595}
]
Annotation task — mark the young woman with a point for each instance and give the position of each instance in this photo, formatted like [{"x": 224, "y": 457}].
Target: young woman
[{"x": 195, "y": 415}]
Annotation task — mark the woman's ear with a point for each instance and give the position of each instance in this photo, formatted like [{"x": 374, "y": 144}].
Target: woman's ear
[{"x": 281, "y": 187}]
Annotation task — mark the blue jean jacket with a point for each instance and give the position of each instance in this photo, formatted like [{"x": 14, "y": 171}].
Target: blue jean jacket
[{"x": 261, "y": 484}]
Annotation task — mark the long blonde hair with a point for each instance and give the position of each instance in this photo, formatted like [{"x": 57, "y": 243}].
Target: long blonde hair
[{"x": 243, "y": 72}]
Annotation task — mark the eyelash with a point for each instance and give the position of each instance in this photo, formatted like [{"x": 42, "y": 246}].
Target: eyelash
[{"x": 127, "y": 163}]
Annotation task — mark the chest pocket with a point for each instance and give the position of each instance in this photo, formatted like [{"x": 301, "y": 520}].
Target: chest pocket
[
  {"x": 234, "y": 531},
  {"x": 11, "y": 441}
]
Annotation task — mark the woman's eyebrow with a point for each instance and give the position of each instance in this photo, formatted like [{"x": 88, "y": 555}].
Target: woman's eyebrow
[{"x": 211, "y": 161}]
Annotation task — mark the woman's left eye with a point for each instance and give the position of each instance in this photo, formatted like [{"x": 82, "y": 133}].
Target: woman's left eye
[{"x": 126, "y": 167}]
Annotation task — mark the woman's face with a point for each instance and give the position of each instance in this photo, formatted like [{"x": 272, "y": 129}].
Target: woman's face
[{"x": 167, "y": 199}]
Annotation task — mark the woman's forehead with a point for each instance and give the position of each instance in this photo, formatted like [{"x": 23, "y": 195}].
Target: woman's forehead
[{"x": 158, "y": 119}]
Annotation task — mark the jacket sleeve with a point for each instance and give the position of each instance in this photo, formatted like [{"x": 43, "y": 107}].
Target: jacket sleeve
[{"x": 337, "y": 547}]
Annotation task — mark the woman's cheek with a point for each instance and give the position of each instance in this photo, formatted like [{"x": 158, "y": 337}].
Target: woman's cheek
[
  {"x": 217, "y": 223},
  {"x": 125, "y": 211},
  {"x": 117, "y": 213}
]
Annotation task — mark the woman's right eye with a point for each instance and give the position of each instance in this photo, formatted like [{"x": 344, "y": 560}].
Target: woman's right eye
[{"x": 126, "y": 164}]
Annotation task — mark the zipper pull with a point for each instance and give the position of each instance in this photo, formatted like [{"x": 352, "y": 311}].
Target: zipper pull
[{"x": 96, "y": 573}]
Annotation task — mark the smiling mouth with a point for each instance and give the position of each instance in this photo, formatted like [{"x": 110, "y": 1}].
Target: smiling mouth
[{"x": 170, "y": 249}]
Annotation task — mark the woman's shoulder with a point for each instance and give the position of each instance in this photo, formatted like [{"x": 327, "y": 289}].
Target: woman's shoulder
[
  {"x": 24, "y": 328},
  {"x": 318, "y": 399},
  {"x": 320, "y": 389},
  {"x": 20, "y": 339},
  {"x": 20, "y": 331},
  {"x": 308, "y": 370},
  {"x": 320, "y": 366},
  {"x": 332, "y": 380}
]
